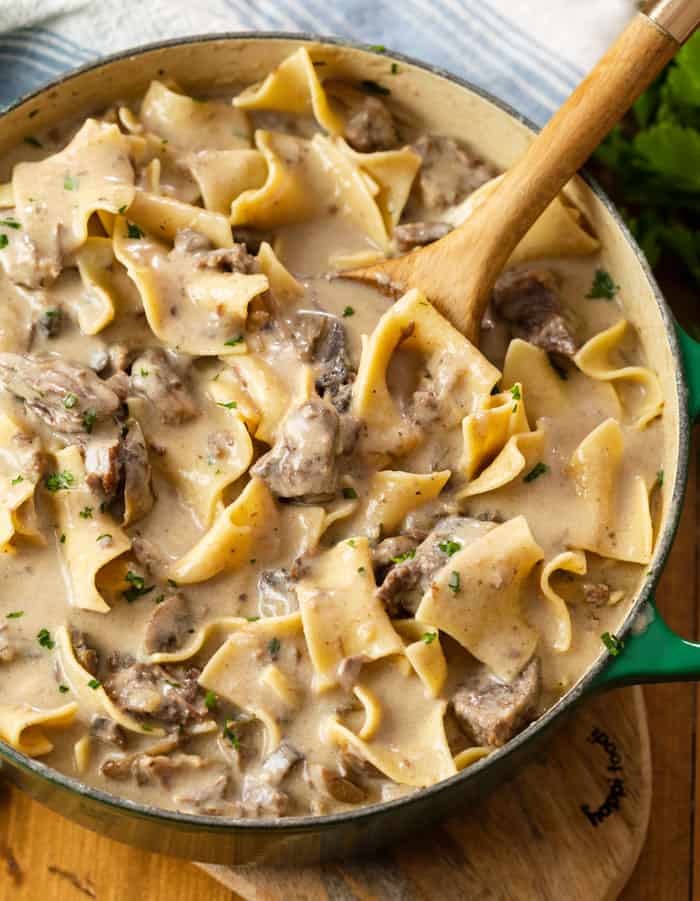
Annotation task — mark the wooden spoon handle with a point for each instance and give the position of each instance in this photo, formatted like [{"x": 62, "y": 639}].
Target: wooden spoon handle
[{"x": 554, "y": 156}]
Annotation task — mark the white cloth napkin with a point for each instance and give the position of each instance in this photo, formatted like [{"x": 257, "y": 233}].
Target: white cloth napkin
[{"x": 528, "y": 52}]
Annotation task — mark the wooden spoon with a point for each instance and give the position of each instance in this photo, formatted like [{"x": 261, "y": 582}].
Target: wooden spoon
[{"x": 458, "y": 272}]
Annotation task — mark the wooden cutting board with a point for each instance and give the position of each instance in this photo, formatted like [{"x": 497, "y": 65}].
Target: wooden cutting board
[{"x": 570, "y": 826}]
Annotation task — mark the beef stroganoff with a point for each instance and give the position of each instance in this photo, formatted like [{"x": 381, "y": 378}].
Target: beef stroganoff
[{"x": 273, "y": 544}]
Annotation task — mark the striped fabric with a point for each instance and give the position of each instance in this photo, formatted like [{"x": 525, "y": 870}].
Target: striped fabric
[{"x": 528, "y": 52}]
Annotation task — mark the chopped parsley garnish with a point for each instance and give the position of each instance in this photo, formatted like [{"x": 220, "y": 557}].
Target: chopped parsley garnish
[
  {"x": 429, "y": 637},
  {"x": 210, "y": 700},
  {"x": 539, "y": 469},
  {"x": 15, "y": 614},
  {"x": 659, "y": 478},
  {"x": 373, "y": 87},
  {"x": 378, "y": 48},
  {"x": 133, "y": 231},
  {"x": 160, "y": 599},
  {"x": 515, "y": 392},
  {"x": 349, "y": 493},
  {"x": 70, "y": 183},
  {"x": 144, "y": 373},
  {"x": 62, "y": 538},
  {"x": 43, "y": 636},
  {"x": 10, "y": 223},
  {"x": 63, "y": 689},
  {"x": 252, "y": 619},
  {"x": 253, "y": 561},
  {"x": 138, "y": 587},
  {"x": 69, "y": 401},
  {"x": 227, "y": 405},
  {"x": 17, "y": 479},
  {"x": 231, "y": 735},
  {"x": 145, "y": 727},
  {"x": 122, "y": 209},
  {"x": 453, "y": 583},
  {"x": 351, "y": 542},
  {"x": 348, "y": 311},
  {"x": 273, "y": 647},
  {"x": 103, "y": 536},
  {"x": 612, "y": 643},
  {"x": 94, "y": 684},
  {"x": 232, "y": 342},
  {"x": 58, "y": 481},
  {"x": 361, "y": 570},
  {"x": 89, "y": 420},
  {"x": 603, "y": 286},
  {"x": 32, "y": 141},
  {"x": 172, "y": 583},
  {"x": 450, "y": 547},
  {"x": 407, "y": 555},
  {"x": 86, "y": 513},
  {"x": 4, "y": 241},
  {"x": 394, "y": 68},
  {"x": 557, "y": 367}
]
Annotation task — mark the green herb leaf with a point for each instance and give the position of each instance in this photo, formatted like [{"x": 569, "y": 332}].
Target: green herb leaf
[
  {"x": 69, "y": 401},
  {"x": 453, "y": 583},
  {"x": 172, "y": 583},
  {"x": 361, "y": 570},
  {"x": 44, "y": 638},
  {"x": 133, "y": 231},
  {"x": 429, "y": 637},
  {"x": 450, "y": 547},
  {"x": 15, "y": 614},
  {"x": 123, "y": 209},
  {"x": 32, "y": 141},
  {"x": 62, "y": 538},
  {"x": 231, "y": 735},
  {"x": 515, "y": 392},
  {"x": 660, "y": 478},
  {"x": 144, "y": 373},
  {"x": 373, "y": 87},
  {"x": 159, "y": 599},
  {"x": 539, "y": 469},
  {"x": 612, "y": 643},
  {"x": 232, "y": 342},
  {"x": 407, "y": 555},
  {"x": 252, "y": 619},
  {"x": 10, "y": 223},
  {"x": 63, "y": 689},
  {"x": 378, "y": 48},
  {"x": 4, "y": 241},
  {"x": 273, "y": 648},
  {"x": 59, "y": 481},
  {"x": 349, "y": 493},
  {"x": 603, "y": 286},
  {"x": 17, "y": 479},
  {"x": 210, "y": 700},
  {"x": 394, "y": 68},
  {"x": 348, "y": 311},
  {"x": 70, "y": 183},
  {"x": 89, "y": 420},
  {"x": 102, "y": 536},
  {"x": 228, "y": 405},
  {"x": 94, "y": 684},
  {"x": 138, "y": 587},
  {"x": 86, "y": 513}
]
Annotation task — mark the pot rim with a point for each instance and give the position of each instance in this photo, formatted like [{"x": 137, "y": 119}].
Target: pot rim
[{"x": 305, "y": 824}]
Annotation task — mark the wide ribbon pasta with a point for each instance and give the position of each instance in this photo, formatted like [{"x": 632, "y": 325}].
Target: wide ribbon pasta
[
  {"x": 341, "y": 614},
  {"x": 476, "y": 598},
  {"x": 90, "y": 538},
  {"x": 19, "y": 474},
  {"x": 24, "y": 727}
]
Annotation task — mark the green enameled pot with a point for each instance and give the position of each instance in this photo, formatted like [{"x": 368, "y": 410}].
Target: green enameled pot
[{"x": 651, "y": 653}]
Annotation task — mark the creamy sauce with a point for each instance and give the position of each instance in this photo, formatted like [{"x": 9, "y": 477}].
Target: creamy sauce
[{"x": 264, "y": 732}]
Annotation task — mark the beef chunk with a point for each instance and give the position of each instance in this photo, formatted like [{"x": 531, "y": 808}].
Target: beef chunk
[
  {"x": 168, "y": 625},
  {"x": 277, "y": 765},
  {"x": 276, "y": 593},
  {"x": 187, "y": 240},
  {"x": 303, "y": 462},
  {"x": 65, "y": 395},
  {"x": 596, "y": 594},
  {"x": 102, "y": 465},
  {"x": 228, "y": 259},
  {"x": 335, "y": 375},
  {"x": 107, "y": 731},
  {"x": 86, "y": 655},
  {"x": 406, "y": 582},
  {"x": 136, "y": 469},
  {"x": 371, "y": 127},
  {"x": 386, "y": 552},
  {"x": 261, "y": 795},
  {"x": 528, "y": 300},
  {"x": 210, "y": 799},
  {"x": 330, "y": 784},
  {"x": 148, "y": 555},
  {"x": 160, "y": 769},
  {"x": 166, "y": 696},
  {"x": 491, "y": 712},
  {"x": 418, "y": 234},
  {"x": 449, "y": 173},
  {"x": 157, "y": 375}
]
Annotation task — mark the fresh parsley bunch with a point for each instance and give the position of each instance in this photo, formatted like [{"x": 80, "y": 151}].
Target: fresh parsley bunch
[{"x": 653, "y": 159}]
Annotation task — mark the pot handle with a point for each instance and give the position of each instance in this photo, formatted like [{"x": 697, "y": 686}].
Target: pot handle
[
  {"x": 690, "y": 352},
  {"x": 651, "y": 654}
]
